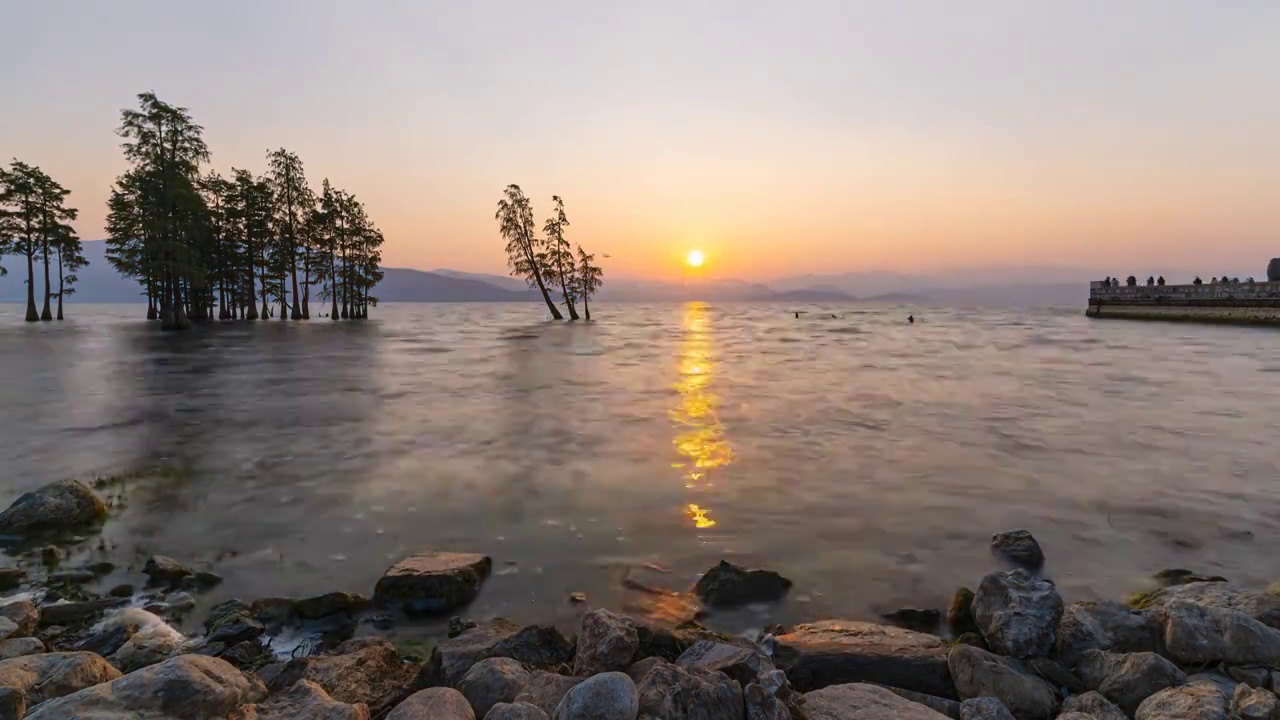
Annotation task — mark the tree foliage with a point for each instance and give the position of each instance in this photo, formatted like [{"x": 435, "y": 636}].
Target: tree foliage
[
  {"x": 548, "y": 260},
  {"x": 526, "y": 254},
  {"x": 35, "y": 222}
]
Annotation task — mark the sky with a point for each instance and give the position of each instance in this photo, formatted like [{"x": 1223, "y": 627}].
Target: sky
[{"x": 788, "y": 137}]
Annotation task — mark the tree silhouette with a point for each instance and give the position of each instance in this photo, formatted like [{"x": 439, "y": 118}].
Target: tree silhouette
[
  {"x": 34, "y": 216},
  {"x": 70, "y": 260},
  {"x": 589, "y": 277},
  {"x": 525, "y": 254},
  {"x": 559, "y": 263}
]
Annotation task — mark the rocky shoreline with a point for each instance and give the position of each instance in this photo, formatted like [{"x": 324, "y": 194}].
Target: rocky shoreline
[{"x": 1194, "y": 647}]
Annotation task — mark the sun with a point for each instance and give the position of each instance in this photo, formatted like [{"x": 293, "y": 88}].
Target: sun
[{"x": 694, "y": 259}]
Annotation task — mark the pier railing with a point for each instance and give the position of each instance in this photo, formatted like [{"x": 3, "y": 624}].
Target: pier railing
[{"x": 1243, "y": 291}]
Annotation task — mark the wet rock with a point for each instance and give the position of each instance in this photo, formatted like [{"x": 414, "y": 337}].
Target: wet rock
[
  {"x": 836, "y": 652},
  {"x": 1093, "y": 705},
  {"x": 77, "y": 612},
  {"x": 1056, "y": 675},
  {"x": 947, "y": 707},
  {"x": 728, "y": 585},
  {"x": 7, "y": 628},
  {"x": 314, "y": 608},
  {"x": 71, "y": 577},
  {"x": 60, "y": 505},
  {"x": 492, "y": 681},
  {"x": 18, "y": 647},
  {"x": 1258, "y": 677},
  {"x": 366, "y": 670},
  {"x": 202, "y": 580},
  {"x": 44, "y": 677},
  {"x": 1128, "y": 679},
  {"x": 433, "y": 582},
  {"x": 272, "y": 611},
  {"x": 180, "y": 601},
  {"x": 1195, "y": 634},
  {"x": 106, "y": 642},
  {"x": 1075, "y": 716},
  {"x": 164, "y": 570},
  {"x": 607, "y": 696},
  {"x": 1018, "y": 547},
  {"x": 1108, "y": 626},
  {"x": 640, "y": 668},
  {"x": 1257, "y": 604},
  {"x": 668, "y": 643},
  {"x": 671, "y": 692},
  {"x": 11, "y": 577},
  {"x": 437, "y": 703},
  {"x": 920, "y": 620},
  {"x": 577, "y": 597},
  {"x": 859, "y": 701},
  {"x": 544, "y": 690},
  {"x": 306, "y": 701},
  {"x": 606, "y": 642},
  {"x": 761, "y": 705},
  {"x": 1224, "y": 683},
  {"x": 1178, "y": 576},
  {"x": 248, "y": 655},
  {"x": 978, "y": 673},
  {"x": 1017, "y": 613},
  {"x": 1253, "y": 704},
  {"x": 124, "y": 590},
  {"x": 23, "y": 614},
  {"x": 960, "y": 612},
  {"x": 13, "y": 704},
  {"x": 745, "y": 665},
  {"x": 1193, "y": 701},
  {"x": 984, "y": 708},
  {"x": 150, "y": 640},
  {"x": 516, "y": 711},
  {"x": 972, "y": 638},
  {"x": 537, "y": 646},
  {"x": 231, "y": 622},
  {"x": 186, "y": 687}
]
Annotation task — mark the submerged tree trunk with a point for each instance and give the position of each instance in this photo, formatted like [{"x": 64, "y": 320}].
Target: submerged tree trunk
[
  {"x": 306, "y": 283},
  {"x": 568, "y": 301},
  {"x": 32, "y": 315},
  {"x": 586, "y": 309},
  {"x": 46, "y": 314},
  {"x": 60, "y": 285},
  {"x": 167, "y": 316},
  {"x": 555, "y": 311},
  {"x": 297, "y": 309},
  {"x": 151, "y": 298}
]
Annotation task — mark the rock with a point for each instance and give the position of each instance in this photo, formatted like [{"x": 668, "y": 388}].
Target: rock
[
  {"x": 640, "y": 668},
  {"x": 536, "y": 646},
  {"x": 920, "y": 620},
  {"x": 761, "y": 705},
  {"x": 204, "y": 579},
  {"x": 668, "y": 643},
  {"x": 180, "y": 601},
  {"x": 11, "y": 577},
  {"x": 1017, "y": 613},
  {"x": 13, "y": 704},
  {"x": 1199, "y": 634},
  {"x": 77, "y": 612},
  {"x": 606, "y": 642},
  {"x": 492, "y": 681},
  {"x": 1128, "y": 679},
  {"x": 366, "y": 670},
  {"x": 18, "y": 647},
  {"x": 248, "y": 655},
  {"x": 51, "y": 675},
  {"x": 433, "y": 582},
  {"x": 150, "y": 640},
  {"x": 272, "y": 611},
  {"x": 859, "y": 701},
  {"x": 1258, "y": 677},
  {"x": 577, "y": 597},
  {"x": 60, "y": 505},
  {"x": 984, "y": 708},
  {"x": 1056, "y": 675},
  {"x": 306, "y": 701},
  {"x": 671, "y": 692},
  {"x": 836, "y": 652},
  {"x": 71, "y": 577},
  {"x": 1193, "y": 701},
  {"x": 320, "y": 606},
  {"x": 186, "y": 687},
  {"x": 124, "y": 590},
  {"x": 728, "y": 585},
  {"x": 8, "y": 628},
  {"x": 1225, "y": 684},
  {"x": 544, "y": 690},
  {"x": 1018, "y": 547},
  {"x": 164, "y": 570},
  {"x": 607, "y": 696},
  {"x": 950, "y": 708},
  {"x": 1107, "y": 626},
  {"x": 437, "y": 703},
  {"x": 1075, "y": 716},
  {"x": 106, "y": 642},
  {"x": 232, "y": 622},
  {"x": 1093, "y": 705},
  {"x": 50, "y": 556},
  {"x": 1253, "y": 704},
  {"x": 972, "y": 638},
  {"x": 978, "y": 673},
  {"x": 745, "y": 665},
  {"x": 960, "y": 612},
  {"x": 1178, "y": 576},
  {"x": 516, "y": 711},
  {"x": 1257, "y": 604}
]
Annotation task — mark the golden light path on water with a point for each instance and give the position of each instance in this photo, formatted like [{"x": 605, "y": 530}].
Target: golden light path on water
[{"x": 700, "y": 438}]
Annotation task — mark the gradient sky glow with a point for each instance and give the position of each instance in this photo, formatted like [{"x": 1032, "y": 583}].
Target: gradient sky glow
[{"x": 779, "y": 137}]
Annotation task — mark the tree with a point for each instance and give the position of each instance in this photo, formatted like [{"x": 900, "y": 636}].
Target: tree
[
  {"x": 560, "y": 255},
  {"x": 525, "y": 254},
  {"x": 24, "y": 193},
  {"x": 127, "y": 232},
  {"x": 70, "y": 260},
  {"x": 52, "y": 224},
  {"x": 589, "y": 278},
  {"x": 291, "y": 200}
]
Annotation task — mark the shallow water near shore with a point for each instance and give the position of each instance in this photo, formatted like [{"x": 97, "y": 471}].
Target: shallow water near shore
[{"x": 867, "y": 459}]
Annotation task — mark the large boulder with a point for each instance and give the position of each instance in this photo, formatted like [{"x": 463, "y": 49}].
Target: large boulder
[
  {"x": 186, "y": 687},
  {"x": 75, "y": 613},
  {"x": 1017, "y": 613},
  {"x": 729, "y": 585},
  {"x": 978, "y": 673},
  {"x": 1018, "y": 547},
  {"x": 23, "y": 614},
  {"x": 859, "y": 701},
  {"x": 306, "y": 701},
  {"x": 231, "y": 622},
  {"x": 760, "y": 704},
  {"x": 544, "y": 690},
  {"x": 434, "y": 582},
  {"x": 960, "y": 612},
  {"x": 1201, "y": 634},
  {"x": 671, "y": 692},
  {"x": 147, "y": 639},
  {"x": 1258, "y": 604},
  {"x": 606, "y": 642},
  {"x": 607, "y": 696},
  {"x": 365, "y": 670},
  {"x": 333, "y": 603},
  {"x": 60, "y": 505},
  {"x": 984, "y": 708},
  {"x": 1107, "y": 626},
  {"x": 516, "y": 711},
  {"x": 746, "y": 665},
  {"x": 18, "y": 647},
  {"x": 1128, "y": 679},
  {"x": 434, "y": 704},
  {"x": 837, "y": 652},
  {"x": 1193, "y": 701},
  {"x": 43, "y": 677},
  {"x": 1094, "y": 705},
  {"x": 492, "y": 681},
  {"x": 1249, "y": 703},
  {"x": 537, "y": 646},
  {"x": 164, "y": 570}
]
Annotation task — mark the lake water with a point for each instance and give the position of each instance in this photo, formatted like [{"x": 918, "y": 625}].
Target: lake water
[{"x": 867, "y": 459}]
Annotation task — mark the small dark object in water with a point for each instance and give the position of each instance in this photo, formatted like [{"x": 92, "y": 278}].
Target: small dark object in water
[
  {"x": 577, "y": 597},
  {"x": 916, "y": 619},
  {"x": 727, "y": 585},
  {"x": 911, "y": 319},
  {"x": 1019, "y": 547}
]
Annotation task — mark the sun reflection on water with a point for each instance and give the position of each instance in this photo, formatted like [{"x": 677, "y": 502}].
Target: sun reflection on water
[{"x": 700, "y": 438}]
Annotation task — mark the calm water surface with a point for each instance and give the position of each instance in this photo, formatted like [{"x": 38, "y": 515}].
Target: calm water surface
[{"x": 868, "y": 459}]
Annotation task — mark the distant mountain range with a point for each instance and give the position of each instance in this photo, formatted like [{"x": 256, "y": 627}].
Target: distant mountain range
[{"x": 1021, "y": 287}]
